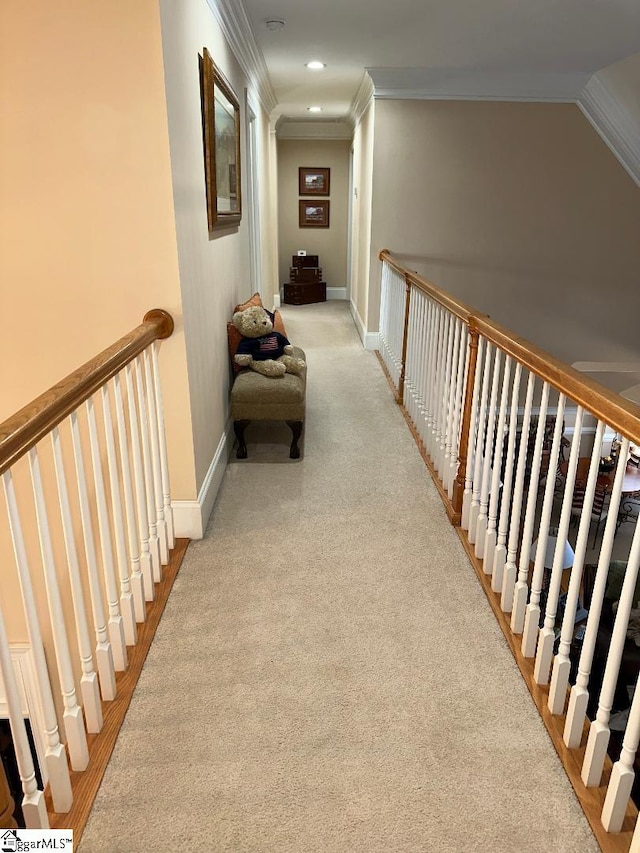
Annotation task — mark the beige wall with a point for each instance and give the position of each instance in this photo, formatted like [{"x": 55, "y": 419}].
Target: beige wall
[
  {"x": 520, "y": 210},
  {"x": 361, "y": 213},
  {"x": 329, "y": 243},
  {"x": 215, "y": 272},
  {"x": 87, "y": 241}
]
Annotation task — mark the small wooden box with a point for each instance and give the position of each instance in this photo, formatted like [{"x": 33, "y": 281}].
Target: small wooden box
[
  {"x": 296, "y": 293},
  {"x": 305, "y": 274},
  {"x": 302, "y": 261}
]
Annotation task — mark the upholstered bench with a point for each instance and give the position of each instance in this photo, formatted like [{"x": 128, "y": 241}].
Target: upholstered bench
[{"x": 265, "y": 398}]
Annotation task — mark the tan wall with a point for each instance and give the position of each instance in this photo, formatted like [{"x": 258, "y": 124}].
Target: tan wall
[
  {"x": 86, "y": 213},
  {"x": 519, "y": 209},
  {"x": 361, "y": 211},
  {"x": 215, "y": 273},
  {"x": 329, "y": 243}
]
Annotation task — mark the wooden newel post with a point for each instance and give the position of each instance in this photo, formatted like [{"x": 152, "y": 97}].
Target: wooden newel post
[
  {"x": 6, "y": 803},
  {"x": 405, "y": 334},
  {"x": 463, "y": 452}
]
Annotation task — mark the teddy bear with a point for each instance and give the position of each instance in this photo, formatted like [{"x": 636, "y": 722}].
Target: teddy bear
[{"x": 261, "y": 348}]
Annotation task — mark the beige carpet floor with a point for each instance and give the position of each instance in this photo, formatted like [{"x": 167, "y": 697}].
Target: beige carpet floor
[{"x": 328, "y": 675}]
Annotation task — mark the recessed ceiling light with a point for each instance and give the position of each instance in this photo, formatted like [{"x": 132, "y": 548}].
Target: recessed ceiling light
[
  {"x": 315, "y": 65},
  {"x": 275, "y": 24},
  {"x": 314, "y": 109}
]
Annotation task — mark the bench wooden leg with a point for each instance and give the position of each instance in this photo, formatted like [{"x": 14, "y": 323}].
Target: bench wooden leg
[
  {"x": 239, "y": 428},
  {"x": 296, "y": 429}
]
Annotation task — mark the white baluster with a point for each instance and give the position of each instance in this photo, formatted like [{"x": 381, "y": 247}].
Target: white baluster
[
  {"x": 532, "y": 615},
  {"x": 474, "y": 428},
  {"x": 164, "y": 460},
  {"x": 463, "y": 364},
  {"x": 126, "y": 596},
  {"x": 33, "y": 805},
  {"x": 635, "y": 841},
  {"x": 599, "y": 733},
  {"x": 579, "y": 697},
  {"x": 72, "y": 716},
  {"x": 89, "y": 680},
  {"x": 546, "y": 636},
  {"x": 445, "y": 414},
  {"x": 154, "y": 542},
  {"x": 137, "y": 580},
  {"x": 500, "y": 554},
  {"x": 141, "y": 492},
  {"x": 115, "y": 625},
  {"x": 104, "y": 657},
  {"x": 491, "y": 534},
  {"x": 429, "y": 385},
  {"x": 155, "y": 460},
  {"x": 481, "y": 522},
  {"x": 55, "y": 756},
  {"x": 456, "y": 326},
  {"x": 522, "y": 588},
  {"x": 410, "y": 394},
  {"x": 623, "y": 773},
  {"x": 421, "y": 361},
  {"x": 479, "y": 448},
  {"x": 562, "y": 662},
  {"x": 433, "y": 376}
]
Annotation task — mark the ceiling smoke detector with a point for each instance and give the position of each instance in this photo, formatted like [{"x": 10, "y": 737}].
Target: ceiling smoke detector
[{"x": 275, "y": 24}]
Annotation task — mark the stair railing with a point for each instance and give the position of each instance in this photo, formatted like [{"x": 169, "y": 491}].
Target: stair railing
[
  {"x": 85, "y": 478},
  {"x": 492, "y": 414}
]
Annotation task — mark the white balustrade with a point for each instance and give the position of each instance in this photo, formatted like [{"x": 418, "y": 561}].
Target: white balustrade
[
  {"x": 154, "y": 542},
  {"x": 72, "y": 716},
  {"x": 467, "y": 495},
  {"x": 532, "y": 617},
  {"x": 155, "y": 460},
  {"x": 104, "y": 656},
  {"x": 127, "y": 610},
  {"x": 89, "y": 687},
  {"x": 479, "y": 450},
  {"x": 510, "y": 568},
  {"x": 599, "y": 732},
  {"x": 500, "y": 553},
  {"x": 481, "y": 521},
  {"x": 115, "y": 625},
  {"x": 579, "y": 697},
  {"x": 164, "y": 459},
  {"x": 546, "y": 636},
  {"x": 522, "y": 586},
  {"x": 140, "y": 489},
  {"x": 55, "y": 757},
  {"x": 33, "y": 805},
  {"x": 491, "y": 534}
]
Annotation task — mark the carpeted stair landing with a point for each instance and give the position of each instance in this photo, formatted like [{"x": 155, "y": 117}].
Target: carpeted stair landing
[{"x": 328, "y": 675}]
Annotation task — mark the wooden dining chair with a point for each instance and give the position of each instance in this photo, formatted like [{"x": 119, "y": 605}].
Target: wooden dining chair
[{"x": 599, "y": 510}]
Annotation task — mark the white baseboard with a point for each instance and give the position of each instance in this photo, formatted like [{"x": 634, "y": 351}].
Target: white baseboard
[
  {"x": 336, "y": 293},
  {"x": 370, "y": 340},
  {"x": 190, "y": 518}
]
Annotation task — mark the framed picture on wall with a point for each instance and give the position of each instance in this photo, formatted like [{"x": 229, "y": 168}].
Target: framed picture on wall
[
  {"x": 313, "y": 180},
  {"x": 313, "y": 213},
  {"x": 221, "y": 135}
]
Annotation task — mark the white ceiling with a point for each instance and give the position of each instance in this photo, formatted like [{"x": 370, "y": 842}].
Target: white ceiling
[{"x": 534, "y": 48}]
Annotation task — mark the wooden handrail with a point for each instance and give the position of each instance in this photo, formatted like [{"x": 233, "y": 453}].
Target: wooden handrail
[
  {"x": 618, "y": 413},
  {"x": 20, "y": 432},
  {"x": 460, "y": 309}
]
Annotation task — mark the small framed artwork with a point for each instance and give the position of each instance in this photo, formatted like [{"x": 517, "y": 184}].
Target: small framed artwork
[
  {"x": 221, "y": 134},
  {"x": 313, "y": 181},
  {"x": 313, "y": 213}
]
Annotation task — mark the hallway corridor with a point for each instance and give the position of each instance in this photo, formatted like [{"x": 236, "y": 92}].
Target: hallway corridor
[{"x": 328, "y": 675}]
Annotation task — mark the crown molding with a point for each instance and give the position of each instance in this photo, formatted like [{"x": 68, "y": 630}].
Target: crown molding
[
  {"x": 360, "y": 101},
  {"x": 469, "y": 85},
  {"x": 615, "y": 124},
  {"x": 313, "y": 129},
  {"x": 235, "y": 26}
]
